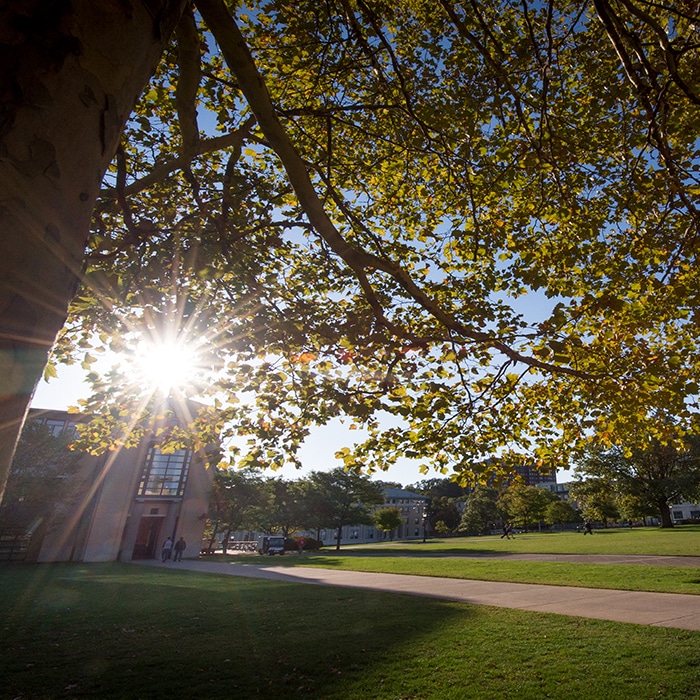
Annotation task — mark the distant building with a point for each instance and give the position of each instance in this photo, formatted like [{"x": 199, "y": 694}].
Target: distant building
[
  {"x": 560, "y": 490},
  {"x": 412, "y": 507},
  {"x": 532, "y": 476},
  {"x": 685, "y": 512},
  {"x": 121, "y": 505},
  {"x": 413, "y": 510}
]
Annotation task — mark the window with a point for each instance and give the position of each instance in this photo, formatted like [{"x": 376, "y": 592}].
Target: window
[
  {"x": 678, "y": 515},
  {"x": 58, "y": 427},
  {"x": 164, "y": 474},
  {"x": 695, "y": 514}
]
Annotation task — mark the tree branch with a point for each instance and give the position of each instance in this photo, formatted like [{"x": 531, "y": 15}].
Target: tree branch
[{"x": 233, "y": 140}]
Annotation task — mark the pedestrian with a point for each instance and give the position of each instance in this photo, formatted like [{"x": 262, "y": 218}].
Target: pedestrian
[
  {"x": 507, "y": 532},
  {"x": 167, "y": 549},
  {"x": 300, "y": 544},
  {"x": 587, "y": 528},
  {"x": 179, "y": 549}
]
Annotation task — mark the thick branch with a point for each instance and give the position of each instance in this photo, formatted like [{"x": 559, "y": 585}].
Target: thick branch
[{"x": 190, "y": 73}]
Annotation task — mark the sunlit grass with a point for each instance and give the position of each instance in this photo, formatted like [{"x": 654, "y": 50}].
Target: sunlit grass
[
  {"x": 468, "y": 558},
  {"x": 678, "y": 541},
  {"x": 660, "y": 579},
  {"x": 121, "y": 631}
]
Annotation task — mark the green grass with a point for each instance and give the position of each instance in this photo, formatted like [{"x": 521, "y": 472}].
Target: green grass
[
  {"x": 459, "y": 558},
  {"x": 122, "y": 631},
  {"x": 660, "y": 579},
  {"x": 679, "y": 541}
]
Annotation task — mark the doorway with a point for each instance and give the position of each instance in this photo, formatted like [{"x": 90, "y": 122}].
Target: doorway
[{"x": 147, "y": 537}]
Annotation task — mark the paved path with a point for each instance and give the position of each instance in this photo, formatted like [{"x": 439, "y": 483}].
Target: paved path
[{"x": 660, "y": 609}]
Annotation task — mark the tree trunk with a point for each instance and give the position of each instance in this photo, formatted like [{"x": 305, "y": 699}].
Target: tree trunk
[
  {"x": 665, "y": 513},
  {"x": 70, "y": 74},
  {"x": 338, "y": 537}
]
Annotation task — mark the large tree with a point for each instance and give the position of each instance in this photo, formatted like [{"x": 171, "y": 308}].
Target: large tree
[
  {"x": 345, "y": 204},
  {"x": 480, "y": 511},
  {"x": 596, "y": 498},
  {"x": 646, "y": 479},
  {"x": 345, "y": 498},
  {"x": 70, "y": 75},
  {"x": 524, "y": 504}
]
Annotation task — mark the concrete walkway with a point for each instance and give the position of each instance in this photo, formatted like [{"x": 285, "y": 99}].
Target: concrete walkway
[{"x": 659, "y": 609}]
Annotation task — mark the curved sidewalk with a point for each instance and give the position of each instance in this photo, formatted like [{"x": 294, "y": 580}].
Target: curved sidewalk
[{"x": 659, "y": 609}]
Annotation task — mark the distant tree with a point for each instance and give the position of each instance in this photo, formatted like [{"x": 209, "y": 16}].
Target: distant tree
[
  {"x": 559, "y": 512},
  {"x": 525, "y": 504},
  {"x": 596, "y": 499},
  {"x": 348, "y": 498},
  {"x": 649, "y": 479},
  {"x": 441, "y": 528},
  {"x": 481, "y": 509},
  {"x": 234, "y": 495},
  {"x": 383, "y": 484},
  {"x": 387, "y": 520},
  {"x": 444, "y": 509},
  {"x": 280, "y": 509},
  {"x": 315, "y": 511},
  {"x": 437, "y": 488}
]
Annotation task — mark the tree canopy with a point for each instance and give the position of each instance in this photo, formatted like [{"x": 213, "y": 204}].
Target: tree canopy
[
  {"x": 353, "y": 209},
  {"x": 640, "y": 482},
  {"x": 343, "y": 498}
]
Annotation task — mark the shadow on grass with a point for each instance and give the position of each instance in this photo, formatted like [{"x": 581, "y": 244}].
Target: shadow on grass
[
  {"x": 124, "y": 631},
  {"x": 113, "y": 631}
]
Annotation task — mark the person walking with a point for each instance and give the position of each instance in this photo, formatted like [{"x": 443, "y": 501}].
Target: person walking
[
  {"x": 180, "y": 546},
  {"x": 587, "y": 528},
  {"x": 167, "y": 550}
]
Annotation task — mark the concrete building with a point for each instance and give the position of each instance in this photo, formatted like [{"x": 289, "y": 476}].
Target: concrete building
[
  {"x": 120, "y": 505},
  {"x": 532, "y": 476},
  {"x": 685, "y": 512}
]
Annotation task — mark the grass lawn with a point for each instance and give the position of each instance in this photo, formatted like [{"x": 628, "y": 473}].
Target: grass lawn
[
  {"x": 456, "y": 558},
  {"x": 659, "y": 579},
  {"x": 678, "y": 541},
  {"x": 124, "y": 631}
]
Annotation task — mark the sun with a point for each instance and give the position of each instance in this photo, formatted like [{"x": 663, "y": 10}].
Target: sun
[{"x": 165, "y": 366}]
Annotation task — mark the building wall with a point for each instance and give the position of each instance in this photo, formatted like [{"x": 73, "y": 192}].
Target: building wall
[
  {"x": 106, "y": 519},
  {"x": 680, "y": 512}
]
